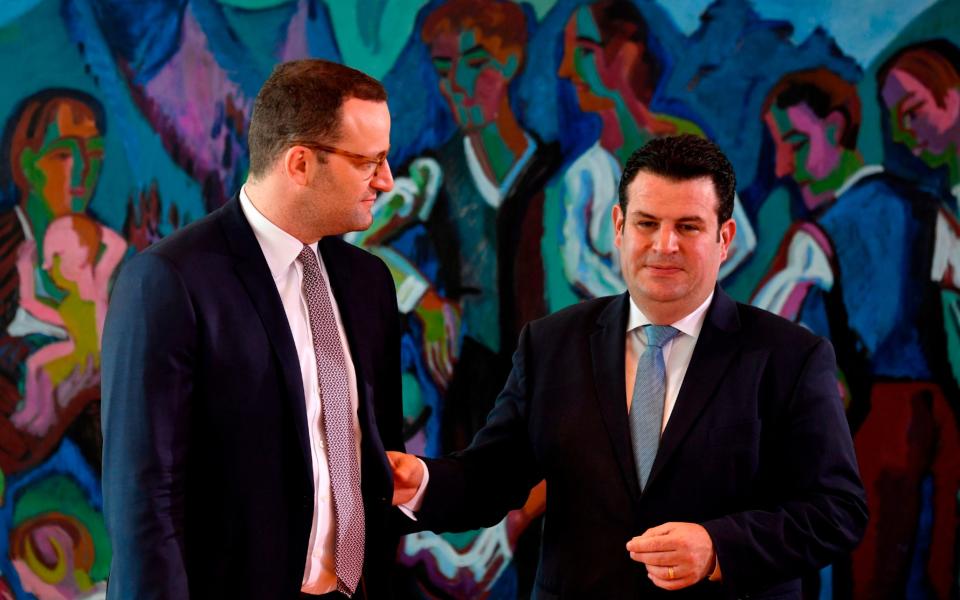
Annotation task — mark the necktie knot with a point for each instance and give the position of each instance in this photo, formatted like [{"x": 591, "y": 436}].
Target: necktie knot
[
  {"x": 658, "y": 335},
  {"x": 306, "y": 256}
]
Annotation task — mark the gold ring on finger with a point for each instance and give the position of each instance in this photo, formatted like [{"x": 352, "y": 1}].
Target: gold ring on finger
[{"x": 670, "y": 573}]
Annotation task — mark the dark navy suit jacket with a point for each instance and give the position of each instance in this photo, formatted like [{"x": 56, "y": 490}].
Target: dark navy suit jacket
[
  {"x": 757, "y": 450},
  {"x": 207, "y": 475}
]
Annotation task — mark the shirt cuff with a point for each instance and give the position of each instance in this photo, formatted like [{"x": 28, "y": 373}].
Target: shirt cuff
[{"x": 409, "y": 508}]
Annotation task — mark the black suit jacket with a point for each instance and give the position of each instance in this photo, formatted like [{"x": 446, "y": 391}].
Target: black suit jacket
[
  {"x": 207, "y": 474},
  {"x": 757, "y": 450}
]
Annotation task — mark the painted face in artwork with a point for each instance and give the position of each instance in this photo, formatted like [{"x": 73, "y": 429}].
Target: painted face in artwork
[
  {"x": 63, "y": 173},
  {"x": 929, "y": 127},
  {"x": 595, "y": 76},
  {"x": 472, "y": 79},
  {"x": 808, "y": 149}
]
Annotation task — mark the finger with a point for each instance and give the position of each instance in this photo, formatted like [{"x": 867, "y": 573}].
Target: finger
[
  {"x": 671, "y": 584},
  {"x": 660, "y": 559},
  {"x": 663, "y": 529},
  {"x": 667, "y": 572},
  {"x": 651, "y": 544},
  {"x": 394, "y": 458}
]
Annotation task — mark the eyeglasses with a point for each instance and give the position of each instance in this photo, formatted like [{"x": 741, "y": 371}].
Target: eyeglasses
[{"x": 368, "y": 164}]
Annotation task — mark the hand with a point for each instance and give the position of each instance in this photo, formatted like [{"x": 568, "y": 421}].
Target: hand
[
  {"x": 441, "y": 332},
  {"x": 407, "y": 475},
  {"x": 677, "y": 555}
]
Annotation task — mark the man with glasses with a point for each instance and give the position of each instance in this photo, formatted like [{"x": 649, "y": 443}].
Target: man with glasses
[{"x": 251, "y": 370}]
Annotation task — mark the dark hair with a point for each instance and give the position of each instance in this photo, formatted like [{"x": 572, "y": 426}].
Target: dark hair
[
  {"x": 934, "y": 63},
  {"x": 303, "y": 100},
  {"x": 28, "y": 125},
  {"x": 501, "y": 27},
  {"x": 681, "y": 158},
  {"x": 619, "y": 21},
  {"x": 824, "y": 92}
]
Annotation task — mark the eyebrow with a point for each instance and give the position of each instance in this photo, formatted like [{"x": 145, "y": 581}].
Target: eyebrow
[
  {"x": 688, "y": 219},
  {"x": 474, "y": 50},
  {"x": 581, "y": 38}
]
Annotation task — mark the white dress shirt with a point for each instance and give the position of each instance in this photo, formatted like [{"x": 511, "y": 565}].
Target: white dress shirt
[
  {"x": 676, "y": 353},
  {"x": 281, "y": 250}
]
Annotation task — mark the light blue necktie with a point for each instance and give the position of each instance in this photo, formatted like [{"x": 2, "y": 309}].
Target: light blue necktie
[{"x": 646, "y": 408}]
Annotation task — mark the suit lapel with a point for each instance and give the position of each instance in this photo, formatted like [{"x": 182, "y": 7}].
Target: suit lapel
[
  {"x": 252, "y": 270},
  {"x": 607, "y": 345},
  {"x": 716, "y": 347}
]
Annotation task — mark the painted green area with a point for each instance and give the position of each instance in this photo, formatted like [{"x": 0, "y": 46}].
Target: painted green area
[
  {"x": 461, "y": 540},
  {"x": 373, "y": 50},
  {"x": 557, "y": 289},
  {"x": 774, "y": 216},
  {"x": 413, "y": 403},
  {"x": 58, "y": 493},
  {"x": 541, "y": 7},
  {"x": 951, "y": 323}
]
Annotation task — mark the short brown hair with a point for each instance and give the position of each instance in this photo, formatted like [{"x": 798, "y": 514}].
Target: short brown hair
[
  {"x": 303, "y": 100},
  {"x": 619, "y": 22},
  {"x": 824, "y": 92},
  {"x": 934, "y": 63},
  {"x": 501, "y": 27}
]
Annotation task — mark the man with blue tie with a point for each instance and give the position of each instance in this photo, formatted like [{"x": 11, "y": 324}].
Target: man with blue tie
[
  {"x": 251, "y": 370},
  {"x": 688, "y": 442}
]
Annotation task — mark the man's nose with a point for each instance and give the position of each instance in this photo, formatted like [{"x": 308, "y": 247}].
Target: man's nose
[
  {"x": 665, "y": 240},
  {"x": 785, "y": 161},
  {"x": 383, "y": 178}
]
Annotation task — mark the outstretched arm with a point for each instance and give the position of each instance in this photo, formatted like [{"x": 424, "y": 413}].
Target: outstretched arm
[{"x": 26, "y": 265}]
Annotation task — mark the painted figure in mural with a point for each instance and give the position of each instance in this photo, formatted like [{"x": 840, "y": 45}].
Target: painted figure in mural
[
  {"x": 80, "y": 255},
  {"x": 54, "y": 147},
  {"x": 485, "y": 186},
  {"x": 813, "y": 117},
  {"x": 608, "y": 59},
  {"x": 754, "y": 480},
  {"x": 222, "y": 477},
  {"x": 493, "y": 175},
  {"x": 919, "y": 88}
]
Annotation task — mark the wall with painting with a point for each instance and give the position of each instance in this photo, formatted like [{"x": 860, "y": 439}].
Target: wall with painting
[{"x": 123, "y": 122}]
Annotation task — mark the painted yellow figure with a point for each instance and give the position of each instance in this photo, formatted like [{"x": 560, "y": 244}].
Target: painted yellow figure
[{"x": 79, "y": 255}]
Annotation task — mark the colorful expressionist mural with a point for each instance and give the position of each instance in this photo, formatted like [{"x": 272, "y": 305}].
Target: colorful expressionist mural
[{"x": 124, "y": 121}]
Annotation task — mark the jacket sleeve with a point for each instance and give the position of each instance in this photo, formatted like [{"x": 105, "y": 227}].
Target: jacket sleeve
[
  {"x": 816, "y": 510},
  {"x": 479, "y": 485},
  {"x": 147, "y": 378}
]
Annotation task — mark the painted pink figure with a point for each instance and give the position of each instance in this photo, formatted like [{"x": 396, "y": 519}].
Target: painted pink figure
[
  {"x": 920, "y": 89},
  {"x": 81, "y": 269}
]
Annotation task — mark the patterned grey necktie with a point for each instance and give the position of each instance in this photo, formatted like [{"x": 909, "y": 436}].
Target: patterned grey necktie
[
  {"x": 337, "y": 418},
  {"x": 646, "y": 407}
]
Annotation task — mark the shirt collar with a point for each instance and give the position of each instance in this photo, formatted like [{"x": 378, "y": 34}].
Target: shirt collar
[
  {"x": 279, "y": 247},
  {"x": 689, "y": 325}
]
